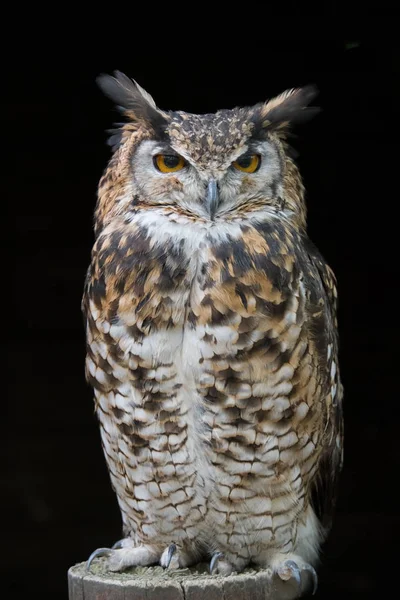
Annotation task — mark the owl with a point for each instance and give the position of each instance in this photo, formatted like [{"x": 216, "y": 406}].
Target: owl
[{"x": 212, "y": 342}]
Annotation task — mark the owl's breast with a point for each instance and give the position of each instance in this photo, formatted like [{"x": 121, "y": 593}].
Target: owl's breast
[
  {"x": 248, "y": 348},
  {"x": 246, "y": 297},
  {"x": 208, "y": 327}
]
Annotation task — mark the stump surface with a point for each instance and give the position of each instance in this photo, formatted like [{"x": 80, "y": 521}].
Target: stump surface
[{"x": 156, "y": 583}]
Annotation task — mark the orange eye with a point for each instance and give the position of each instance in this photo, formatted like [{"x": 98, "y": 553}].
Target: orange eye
[
  {"x": 249, "y": 163},
  {"x": 168, "y": 163}
]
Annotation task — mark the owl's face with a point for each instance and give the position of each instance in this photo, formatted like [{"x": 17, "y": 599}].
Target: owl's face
[
  {"x": 219, "y": 185},
  {"x": 209, "y": 167}
]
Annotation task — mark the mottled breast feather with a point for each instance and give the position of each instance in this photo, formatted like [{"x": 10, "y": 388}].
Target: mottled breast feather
[{"x": 250, "y": 316}]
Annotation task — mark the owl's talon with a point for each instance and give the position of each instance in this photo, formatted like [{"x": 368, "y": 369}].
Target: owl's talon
[
  {"x": 96, "y": 554},
  {"x": 119, "y": 544},
  {"x": 290, "y": 569},
  {"x": 214, "y": 561},
  {"x": 314, "y": 576},
  {"x": 167, "y": 555}
]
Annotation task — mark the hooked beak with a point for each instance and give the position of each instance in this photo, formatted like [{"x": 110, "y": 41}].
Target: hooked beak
[{"x": 212, "y": 198}]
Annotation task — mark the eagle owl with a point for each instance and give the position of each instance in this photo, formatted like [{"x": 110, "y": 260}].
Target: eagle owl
[{"x": 212, "y": 340}]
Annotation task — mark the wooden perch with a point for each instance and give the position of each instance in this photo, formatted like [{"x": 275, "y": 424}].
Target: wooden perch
[{"x": 155, "y": 583}]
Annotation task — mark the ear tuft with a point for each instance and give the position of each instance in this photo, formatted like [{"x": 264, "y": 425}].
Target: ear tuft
[
  {"x": 126, "y": 93},
  {"x": 289, "y": 108},
  {"x": 133, "y": 101}
]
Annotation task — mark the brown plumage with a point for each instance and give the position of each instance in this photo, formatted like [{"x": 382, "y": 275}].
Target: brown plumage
[{"x": 212, "y": 340}]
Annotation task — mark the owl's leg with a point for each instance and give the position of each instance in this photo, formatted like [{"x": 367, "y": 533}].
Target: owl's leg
[{"x": 293, "y": 567}]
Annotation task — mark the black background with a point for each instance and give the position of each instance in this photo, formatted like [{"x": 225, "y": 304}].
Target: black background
[{"x": 58, "y": 502}]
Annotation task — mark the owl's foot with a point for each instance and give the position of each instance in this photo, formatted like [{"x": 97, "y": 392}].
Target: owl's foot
[
  {"x": 125, "y": 554},
  {"x": 301, "y": 572},
  {"x": 218, "y": 564}
]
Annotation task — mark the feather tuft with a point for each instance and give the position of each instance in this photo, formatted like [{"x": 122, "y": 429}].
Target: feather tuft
[
  {"x": 289, "y": 108},
  {"x": 133, "y": 101}
]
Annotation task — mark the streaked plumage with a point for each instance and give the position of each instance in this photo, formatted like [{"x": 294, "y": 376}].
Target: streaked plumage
[{"x": 212, "y": 342}]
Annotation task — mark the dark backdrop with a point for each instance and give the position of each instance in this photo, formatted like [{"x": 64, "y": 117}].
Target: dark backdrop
[{"x": 58, "y": 502}]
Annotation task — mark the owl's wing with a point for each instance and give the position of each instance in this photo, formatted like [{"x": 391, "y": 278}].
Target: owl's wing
[
  {"x": 325, "y": 490},
  {"x": 102, "y": 364}
]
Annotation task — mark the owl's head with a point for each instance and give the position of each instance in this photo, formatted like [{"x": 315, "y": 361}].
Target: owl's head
[{"x": 208, "y": 167}]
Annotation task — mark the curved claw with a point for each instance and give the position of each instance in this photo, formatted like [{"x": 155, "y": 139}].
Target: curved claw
[
  {"x": 117, "y": 545},
  {"x": 171, "y": 551},
  {"x": 214, "y": 561},
  {"x": 95, "y": 554},
  {"x": 314, "y": 576}
]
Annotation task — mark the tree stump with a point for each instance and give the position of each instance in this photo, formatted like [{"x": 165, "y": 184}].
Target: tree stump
[{"x": 156, "y": 583}]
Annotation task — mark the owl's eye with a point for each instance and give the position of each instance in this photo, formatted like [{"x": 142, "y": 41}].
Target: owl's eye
[
  {"x": 168, "y": 163},
  {"x": 249, "y": 163}
]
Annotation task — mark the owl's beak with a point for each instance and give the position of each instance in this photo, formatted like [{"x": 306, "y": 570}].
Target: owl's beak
[{"x": 212, "y": 198}]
